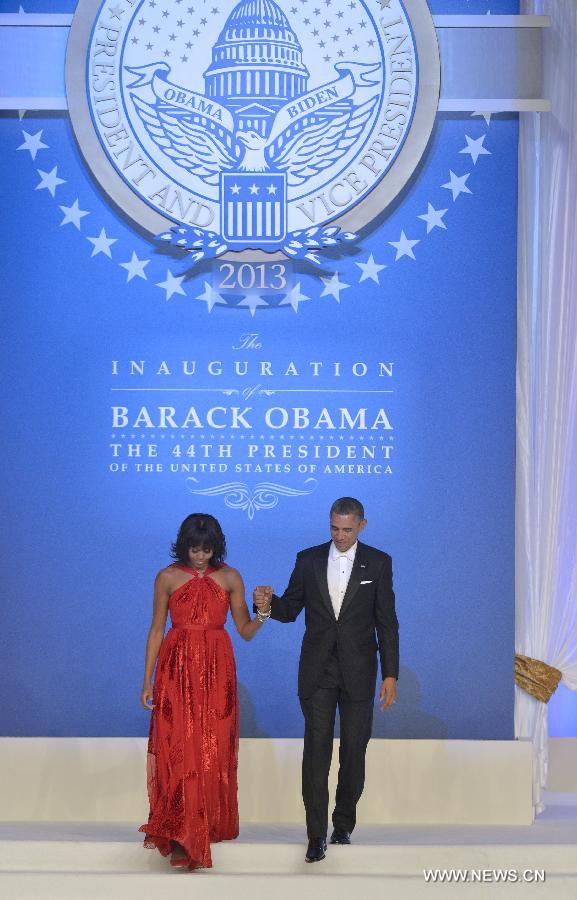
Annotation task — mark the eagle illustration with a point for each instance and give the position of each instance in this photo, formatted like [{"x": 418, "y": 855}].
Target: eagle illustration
[{"x": 205, "y": 148}]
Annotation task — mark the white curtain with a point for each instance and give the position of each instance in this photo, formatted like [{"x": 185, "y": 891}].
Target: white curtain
[{"x": 546, "y": 506}]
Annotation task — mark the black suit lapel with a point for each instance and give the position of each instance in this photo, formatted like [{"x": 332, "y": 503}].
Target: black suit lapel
[
  {"x": 354, "y": 580},
  {"x": 320, "y": 567}
]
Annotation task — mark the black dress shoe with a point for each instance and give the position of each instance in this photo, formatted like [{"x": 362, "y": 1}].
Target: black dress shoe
[
  {"x": 340, "y": 837},
  {"x": 316, "y": 849}
]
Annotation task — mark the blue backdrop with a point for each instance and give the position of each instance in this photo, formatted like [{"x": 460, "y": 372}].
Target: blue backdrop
[{"x": 420, "y": 318}]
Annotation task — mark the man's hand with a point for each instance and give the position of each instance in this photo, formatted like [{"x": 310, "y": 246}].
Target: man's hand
[
  {"x": 388, "y": 693},
  {"x": 262, "y": 597}
]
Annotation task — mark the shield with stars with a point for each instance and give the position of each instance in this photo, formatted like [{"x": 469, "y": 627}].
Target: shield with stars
[{"x": 253, "y": 208}]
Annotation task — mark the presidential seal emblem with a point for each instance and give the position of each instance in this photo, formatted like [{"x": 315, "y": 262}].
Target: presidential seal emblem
[{"x": 248, "y": 123}]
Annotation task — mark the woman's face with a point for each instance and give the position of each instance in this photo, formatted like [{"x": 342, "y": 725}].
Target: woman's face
[{"x": 199, "y": 558}]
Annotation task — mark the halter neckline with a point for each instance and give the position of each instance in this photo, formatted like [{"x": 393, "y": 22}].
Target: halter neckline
[
  {"x": 195, "y": 571},
  {"x": 196, "y": 576}
]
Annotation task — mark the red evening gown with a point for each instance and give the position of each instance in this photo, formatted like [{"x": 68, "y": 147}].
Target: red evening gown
[{"x": 193, "y": 739}]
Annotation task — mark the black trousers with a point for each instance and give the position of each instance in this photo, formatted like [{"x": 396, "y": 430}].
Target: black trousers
[{"x": 356, "y": 718}]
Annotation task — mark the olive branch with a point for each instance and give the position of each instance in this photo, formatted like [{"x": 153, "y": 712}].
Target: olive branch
[
  {"x": 309, "y": 244},
  {"x": 306, "y": 244}
]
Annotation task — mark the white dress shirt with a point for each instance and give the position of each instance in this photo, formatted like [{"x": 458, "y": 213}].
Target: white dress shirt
[{"x": 339, "y": 568}]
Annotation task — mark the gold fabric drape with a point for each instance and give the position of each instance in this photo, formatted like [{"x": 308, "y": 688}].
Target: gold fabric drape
[{"x": 536, "y": 677}]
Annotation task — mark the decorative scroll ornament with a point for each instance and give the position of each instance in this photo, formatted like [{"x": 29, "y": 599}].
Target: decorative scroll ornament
[
  {"x": 238, "y": 495},
  {"x": 536, "y": 677}
]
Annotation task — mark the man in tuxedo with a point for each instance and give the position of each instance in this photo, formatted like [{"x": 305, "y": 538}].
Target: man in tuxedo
[{"x": 346, "y": 590}]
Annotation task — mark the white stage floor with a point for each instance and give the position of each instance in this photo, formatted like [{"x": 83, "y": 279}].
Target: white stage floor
[{"x": 70, "y": 861}]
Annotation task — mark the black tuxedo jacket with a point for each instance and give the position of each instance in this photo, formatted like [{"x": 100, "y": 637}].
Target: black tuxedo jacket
[{"x": 367, "y": 619}]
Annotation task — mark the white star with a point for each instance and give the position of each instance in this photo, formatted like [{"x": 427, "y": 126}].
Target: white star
[
  {"x": 50, "y": 180},
  {"x": 333, "y": 287},
  {"x": 135, "y": 267},
  {"x": 475, "y": 148},
  {"x": 296, "y": 296},
  {"x": 33, "y": 143},
  {"x": 235, "y": 189},
  {"x": 271, "y": 189},
  {"x": 457, "y": 184},
  {"x": 486, "y": 116},
  {"x": 101, "y": 244},
  {"x": 172, "y": 285},
  {"x": 73, "y": 214},
  {"x": 433, "y": 217},
  {"x": 404, "y": 246},
  {"x": 370, "y": 269},
  {"x": 253, "y": 189},
  {"x": 210, "y": 296},
  {"x": 251, "y": 301}
]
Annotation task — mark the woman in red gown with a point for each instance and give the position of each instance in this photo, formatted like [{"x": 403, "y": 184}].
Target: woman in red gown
[{"x": 193, "y": 738}]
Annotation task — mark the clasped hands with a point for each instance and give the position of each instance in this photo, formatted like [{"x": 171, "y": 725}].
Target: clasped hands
[{"x": 262, "y": 597}]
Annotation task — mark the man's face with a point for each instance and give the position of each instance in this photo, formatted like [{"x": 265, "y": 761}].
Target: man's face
[{"x": 345, "y": 530}]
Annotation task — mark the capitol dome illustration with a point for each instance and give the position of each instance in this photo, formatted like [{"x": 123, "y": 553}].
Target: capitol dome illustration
[{"x": 256, "y": 64}]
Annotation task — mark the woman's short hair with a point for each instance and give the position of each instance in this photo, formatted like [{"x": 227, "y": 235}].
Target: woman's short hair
[
  {"x": 199, "y": 531},
  {"x": 348, "y": 506}
]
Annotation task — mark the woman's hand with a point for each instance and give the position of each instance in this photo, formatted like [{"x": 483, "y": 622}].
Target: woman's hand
[{"x": 145, "y": 696}]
